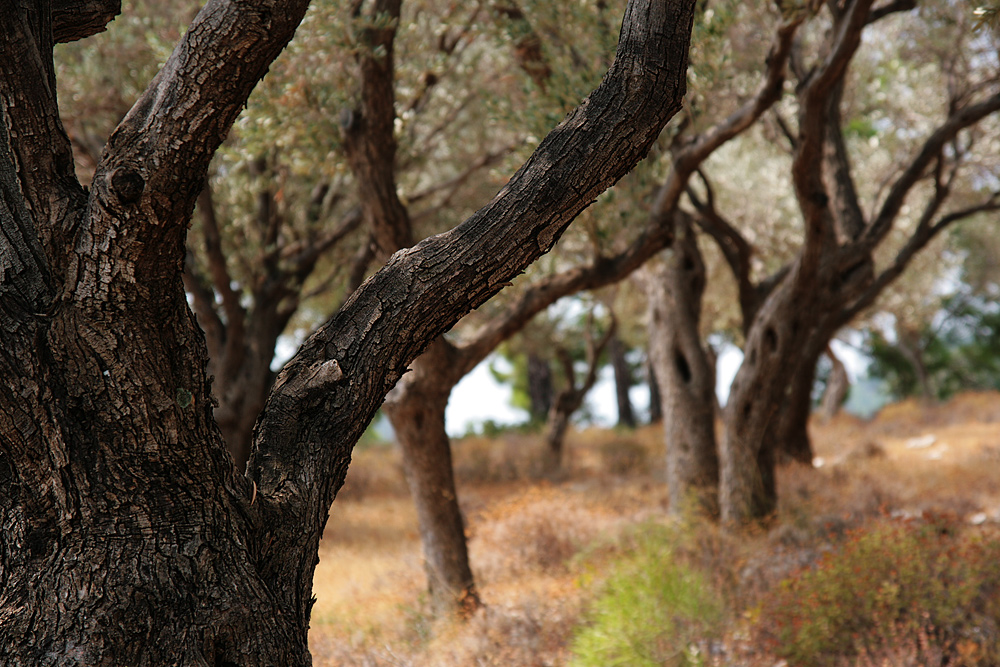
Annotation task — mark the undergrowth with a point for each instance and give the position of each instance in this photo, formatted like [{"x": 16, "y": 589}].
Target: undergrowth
[
  {"x": 654, "y": 610},
  {"x": 926, "y": 588}
]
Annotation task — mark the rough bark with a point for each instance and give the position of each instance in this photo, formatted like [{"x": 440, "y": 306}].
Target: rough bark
[
  {"x": 687, "y": 376},
  {"x": 623, "y": 382},
  {"x": 128, "y": 535}
]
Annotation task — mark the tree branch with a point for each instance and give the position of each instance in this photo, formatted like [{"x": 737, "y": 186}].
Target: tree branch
[
  {"x": 807, "y": 172},
  {"x": 41, "y": 151},
  {"x": 325, "y": 396},
  {"x": 965, "y": 117},
  {"x": 157, "y": 159},
  {"x": 78, "y": 19},
  {"x": 924, "y": 234},
  {"x": 690, "y": 157},
  {"x": 735, "y": 249},
  {"x": 657, "y": 235},
  {"x": 369, "y": 140}
]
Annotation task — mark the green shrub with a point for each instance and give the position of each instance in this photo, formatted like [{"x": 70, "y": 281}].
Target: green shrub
[
  {"x": 929, "y": 584},
  {"x": 654, "y": 611}
]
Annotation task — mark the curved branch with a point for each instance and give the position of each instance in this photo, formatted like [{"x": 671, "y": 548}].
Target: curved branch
[
  {"x": 963, "y": 118},
  {"x": 157, "y": 158},
  {"x": 325, "y": 396},
  {"x": 689, "y": 158},
  {"x": 819, "y": 86}
]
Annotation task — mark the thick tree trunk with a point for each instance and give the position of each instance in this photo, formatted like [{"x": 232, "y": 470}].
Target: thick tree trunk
[
  {"x": 686, "y": 375},
  {"x": 127, "y": 535},
  {"x": 416, "y": 408},
  {"x": 623, "y": 382}
]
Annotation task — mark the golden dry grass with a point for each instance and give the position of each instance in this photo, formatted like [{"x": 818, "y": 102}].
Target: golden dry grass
[{"x": 538, "y": 548}]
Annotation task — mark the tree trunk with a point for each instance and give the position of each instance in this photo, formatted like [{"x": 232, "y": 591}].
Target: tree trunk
[
  {"x": 686, "y": 375},
  {"x": 555, "y": 431},
  {"x": 623, "y": 382},
  {"x": 127, "y": 535},
  {"x": 655, "y": 401},
  {"x": 789, "y": 432},
  {"x": 416, "y": 408},
  {"x": 540, "y": 392}
]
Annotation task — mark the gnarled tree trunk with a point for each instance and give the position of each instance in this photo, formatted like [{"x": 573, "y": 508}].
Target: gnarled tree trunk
[
  {"x": 686, "y": 376},
  {"x": 127, "y": 535}
]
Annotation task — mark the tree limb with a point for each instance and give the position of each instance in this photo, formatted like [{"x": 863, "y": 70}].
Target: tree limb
[
  {"x": 369, "y": 140},
  {"x": 78, "y": 19},
  {"x": 41, "y": 150},
  {"x": 157, "y": 159},
  {"x": 958, "y": 121},
  {"x": 326, "y": 395}
]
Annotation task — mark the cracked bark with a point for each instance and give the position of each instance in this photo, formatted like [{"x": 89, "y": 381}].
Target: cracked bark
[{"x": 127, "y": 535}]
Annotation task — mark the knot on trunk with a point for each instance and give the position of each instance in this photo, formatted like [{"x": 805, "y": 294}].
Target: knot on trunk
[{"x": 127, "y": 184}]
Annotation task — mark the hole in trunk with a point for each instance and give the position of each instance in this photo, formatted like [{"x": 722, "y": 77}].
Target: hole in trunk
[
  {"x": 682, "y": 366},
  {"x": 771, "y": 340}
]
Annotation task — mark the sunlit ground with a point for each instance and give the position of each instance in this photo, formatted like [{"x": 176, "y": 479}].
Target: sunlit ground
[{"x": 538, "y": 548}]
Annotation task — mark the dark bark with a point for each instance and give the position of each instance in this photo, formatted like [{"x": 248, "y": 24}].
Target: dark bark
[
  {"x": 686, "y": 374},
  {"x": 540, "y": 391},
  {"x": 78, "y": 19},
  {"x": 623, "y": 382},
  {"x": 127, "y": 535}
]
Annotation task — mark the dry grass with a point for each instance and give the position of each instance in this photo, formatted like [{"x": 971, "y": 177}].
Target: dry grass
[{"x": 540, "y": 549}]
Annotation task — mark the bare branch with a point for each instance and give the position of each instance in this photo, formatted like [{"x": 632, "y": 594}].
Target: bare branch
[
  {"x": 688, "y": 159},
  {"x": 931, "y": 149},
  {"x": 924, "y": 234},
  {"x": 813, "y": 122},
  {"x": 369, "y": 140},
  {"x": 735, "y": 249}
]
